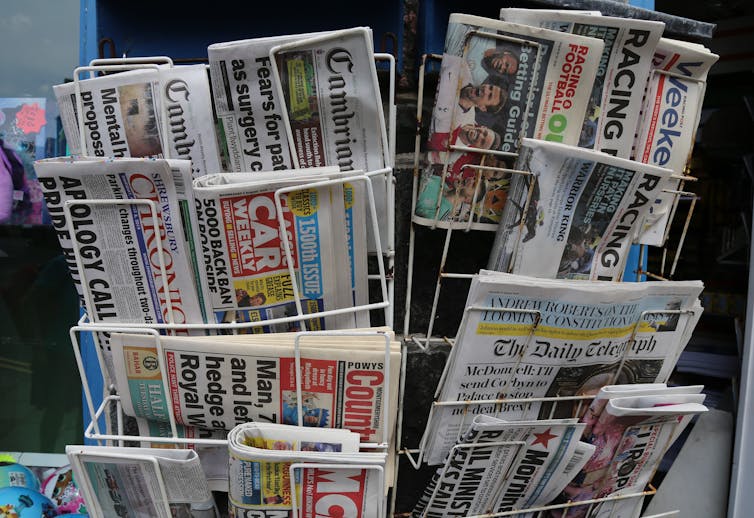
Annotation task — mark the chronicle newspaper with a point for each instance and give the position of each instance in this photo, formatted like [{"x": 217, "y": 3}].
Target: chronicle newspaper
[
  {"x": 582, "y": 206},
  {"x": 261, "y": 249},
  {"x": 499, "y": 82},
  {"x": 499, "y": 466},
  {"x": 523, "y": 337},
  {"x": 142, "y": 482},
  {"x": 122, "y": 116},
  {"x": 261, "y": 484},
  {"x": 671, "y": 114},
  {"x": 623, "y": 71},
  {"x": 126, "y": 229},
  {"x": 220, "y": 382}
]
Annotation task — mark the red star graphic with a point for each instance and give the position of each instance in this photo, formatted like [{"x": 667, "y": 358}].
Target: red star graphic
[{"x": 543, "y": 438}]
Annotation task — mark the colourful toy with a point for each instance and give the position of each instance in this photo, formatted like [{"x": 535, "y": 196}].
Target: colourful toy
[
  {"x": 13, "y": 474},
  {"x": 62, "y": 490},
  {"x": 22, "y": 502}
]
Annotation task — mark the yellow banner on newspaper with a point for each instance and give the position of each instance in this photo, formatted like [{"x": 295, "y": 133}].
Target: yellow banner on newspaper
[
  {"x": 553, "y": 332},
  {"x": 298, "y": 90},
  {"x": 264, "y": 291}
]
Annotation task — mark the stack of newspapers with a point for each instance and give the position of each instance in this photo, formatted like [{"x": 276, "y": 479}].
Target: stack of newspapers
[{"x": 511, "y": 90}]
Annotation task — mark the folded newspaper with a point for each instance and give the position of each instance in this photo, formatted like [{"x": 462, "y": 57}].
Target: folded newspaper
[
  {"x": 631, "y": 435},
  {"x": 499, "y": 82},
  {"x": 127, "y": 232},
  {"x": 623, "y": 71},
  {"x": 499, "y": 466},
  {"x": 122, "y": 115},
  {"x": 159, "y": 483},
  {"x": 523, "y": 337},
  {"x": 671, "y": 112},
  {"x": 333, "y": 481},
  {"x": 220, "y": 382},
  {"x": 582, "y": 207},
  {"x": 261, "y": 249},
  {"x": 302, "y": 100}
]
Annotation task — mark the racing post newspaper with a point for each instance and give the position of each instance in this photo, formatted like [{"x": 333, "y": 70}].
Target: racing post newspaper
[
  {"x": 671, "y": 113},
  {"x": 141, "y": 482},
  {"x": 245, "y": 237},
  {"x": 221, "y": 381},
  {"x": 122, "y": 116},
  {"x": 584, "y": 209},
  {"x": 631, "y": 436},
  {"x": 623, "y": 71},
  {"x": 524, "y": 337},
  {"x": 499, "y": 82},
  {"x": 116, "y": 251},
  {"x": 261, "y": 456},
  {"x": 500, "y": 466}
]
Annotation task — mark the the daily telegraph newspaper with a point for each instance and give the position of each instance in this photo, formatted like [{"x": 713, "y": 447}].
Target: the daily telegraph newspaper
[
  {"x": 671, "y": 113},
  {"x": 322, "y": 86},
  {"x": 244, "y": 243},
  {"x": 141, "y": 482},
  {"x": 122, "y": 116},
  {"x": 500, "y": 466},
  {"x": 220, "y": 382},
  {"x": 524, "y": 337},
  {"x": 261, "y": 456},
  {"x": 499, "y": 82},
  {"x": 129, "y": 264},
  {"x": 631, "y": 435},
  {"x": 583, "y": 209},
  {"x": 613, "y": 113}
]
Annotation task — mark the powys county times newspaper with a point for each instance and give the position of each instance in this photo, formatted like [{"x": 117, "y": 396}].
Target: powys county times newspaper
[
  {"x": 141, "y": 482},
  {"x": 499, "y": 82},
  {"x": 613, "y": 113},
  {"x": 583, "y": 341},
  {"x": 245, "y": 244},
  {"x": 218, "y": 384},
  {"x": 671, "y": 113},
  {"x": 260, "y": 479},
  {"x": 333, "y": 108},
  {"x": 631, "y": 435},
  {"x": 502, "y": 466},
  {"x": 122, "y": 115},
  {"x": 584, "y": 209},
  {"x": 122, "y": 248}
]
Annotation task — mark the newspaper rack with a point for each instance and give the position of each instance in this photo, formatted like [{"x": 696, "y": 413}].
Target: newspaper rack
[{"x": 423, "y": 342}]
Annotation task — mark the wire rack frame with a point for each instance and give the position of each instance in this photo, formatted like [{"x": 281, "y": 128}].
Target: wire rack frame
[
  {"x": 678, "y": 194},
  {"x": 383, "y": 176},
  {"x": 479, "y": 169}
]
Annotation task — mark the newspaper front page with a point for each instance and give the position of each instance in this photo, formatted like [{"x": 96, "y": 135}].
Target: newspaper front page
[
  {"x": 122, "y": 116},
  {"x": 334, "y": 109},
  {"x": 260, "y": 480},
  {"x": 141, "y": 482},
  {"x": 243, "y": 246},
  {"x": 632, "y": 435},
  {"x": 526, "y": 465},
  {"x": 499, "y": 82},
  {"x": 214, "y": 383},
  {"x": 124, "y": 249},
  {"x": 622, "y": 74},
  {"x": 584, "y": 209},
  {"x": 671, "y": 114},
  {"x": 582, "y": 341}
]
